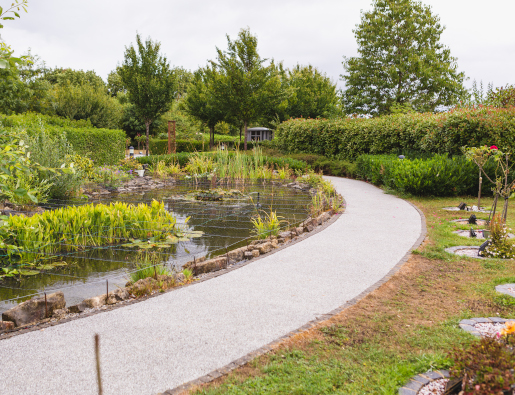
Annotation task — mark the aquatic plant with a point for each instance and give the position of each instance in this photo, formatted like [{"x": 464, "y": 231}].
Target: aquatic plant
[{"x": 266, "y": 224}]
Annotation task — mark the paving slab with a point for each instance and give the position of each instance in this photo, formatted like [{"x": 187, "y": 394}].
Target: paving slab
[{"x": 163, "y": 342}]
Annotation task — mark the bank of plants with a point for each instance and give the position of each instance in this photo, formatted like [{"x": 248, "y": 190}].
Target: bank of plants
[
  {"x": 29, "y": 240},
  {"x": 435, "y": 175},
  {"x": 266, "y": 224},
  {"x": 500, "y": 246}
]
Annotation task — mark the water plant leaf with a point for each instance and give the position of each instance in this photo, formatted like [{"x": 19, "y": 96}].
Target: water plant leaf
[{"x": 28, "y": 272}]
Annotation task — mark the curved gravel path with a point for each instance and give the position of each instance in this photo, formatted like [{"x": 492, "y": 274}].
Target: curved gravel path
[{"x": 160, "y": 343}]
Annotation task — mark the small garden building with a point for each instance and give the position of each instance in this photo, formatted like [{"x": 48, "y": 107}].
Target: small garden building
[{"x": 259, "y": 134}]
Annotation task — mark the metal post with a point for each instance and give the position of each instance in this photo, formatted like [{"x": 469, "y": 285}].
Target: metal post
[
  {"x": 227, "y": 257},
  {"x": 107, "y": 290},
  {"x": 97, "y": 357},
  {"x": 46, "y": 307},
  {"x": 169, "y": 137}
]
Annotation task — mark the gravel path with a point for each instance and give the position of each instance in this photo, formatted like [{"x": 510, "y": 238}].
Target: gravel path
[{"x": 160, "y": 343}]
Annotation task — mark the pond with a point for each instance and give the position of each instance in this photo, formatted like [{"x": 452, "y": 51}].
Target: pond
[{"x": 225, "y": 224}]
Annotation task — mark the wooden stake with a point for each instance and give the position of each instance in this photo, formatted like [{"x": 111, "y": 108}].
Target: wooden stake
[{"x": 97, "y": 357}]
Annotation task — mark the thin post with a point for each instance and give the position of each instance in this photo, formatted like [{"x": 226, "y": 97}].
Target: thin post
[
  {"x": 46, "y": 307},
  {"x": 155, "y": 273},
  {"x": 107, "y": 290},
  {"x": 169, "y": 137},
  {"x": 97, "y": 357},
  {"x": 174, "y": 141},
  {"x": 479, "y": 193},
  {"x": 226, "y": 257}
]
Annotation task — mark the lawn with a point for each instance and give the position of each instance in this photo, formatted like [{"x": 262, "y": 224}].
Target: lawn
[{"x": 405, "y": 327}]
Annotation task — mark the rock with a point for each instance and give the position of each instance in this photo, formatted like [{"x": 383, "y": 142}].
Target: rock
[
  {"x": 60, "y": 313},
  {"x": 249, "y": 255},
  {"x": 274, "y": 243},
  {"x": 255, "y": 253},
  {"x": 6, "y": 326},
  {"x": 264, "y": 248},
  {"x": 76, "y": 309},
  {"x": 210, "y": 265},
  {"x": 190, "y": 264},
  {"x": 285, "y": 236},
  {"x": 299, "y": 230},
  {"x": 95, "y": 301},
  {"x": 309, "y": 227},
  {"x": 34, "y": 309},
  {"x": 117, "y": 295},
  {"x": 179, "y": 277},
  {"x": 237, "y": 255},
  {"x": 322, "y": 218}
]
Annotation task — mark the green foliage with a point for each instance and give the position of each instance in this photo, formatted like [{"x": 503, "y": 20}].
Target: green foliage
[
  {"x": 266, "y": 224},
  {"x": 313, "y": 95},
  {"x": 502, "y": 97},
  {"x": 485, "y": 365},
  {"x": 30, "y": 237},
  {"x": 103, "y": 146},
  {"x": 438, "y": 175},
  {"x": 37, "y": 190},
  {"x": 79, "y": 78},
  {"x": 424, "y": 133},
  {"x": 401, "y": 60},
  {"x": 150, "y": 83},
  {"x": 244, "y": 86},
  {"x": 500, "y": 245}
]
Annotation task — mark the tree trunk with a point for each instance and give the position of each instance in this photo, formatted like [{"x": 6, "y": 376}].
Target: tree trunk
[
  {"x": 479, "y": 193},
  {"x": 147, "y": 125},
  {"x": 245, "y": 137},
  {"x": 211, "y": 137}
]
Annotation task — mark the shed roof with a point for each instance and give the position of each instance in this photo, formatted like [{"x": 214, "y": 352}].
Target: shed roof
[{"x": 257, "y": 129}]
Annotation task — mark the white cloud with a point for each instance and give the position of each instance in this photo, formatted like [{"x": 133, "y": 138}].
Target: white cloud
[{"x": 92, "y": 35}]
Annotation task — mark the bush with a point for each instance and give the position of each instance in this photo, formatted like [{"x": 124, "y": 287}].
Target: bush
[
  {"x": 438, "y": 175},
  {"x": 393, "y": 134},
  {"x": 160, "y": 147},
  {"x": 330, "y": 167},
  {"x": 103, "y": 146}
]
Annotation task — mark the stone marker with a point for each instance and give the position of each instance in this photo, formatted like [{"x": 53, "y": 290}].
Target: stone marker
[
  {"x": 34, "y": 309},
  {"x": 462, "y": 206},
  {"x": 473, "y": 219}
]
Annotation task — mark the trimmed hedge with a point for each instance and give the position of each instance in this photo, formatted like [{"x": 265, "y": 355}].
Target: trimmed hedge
[
  {"x": 160, "y": 147},
  {"x": 425, "y": 133},
  {"x": 103, "y": 146},
  {"x": 183, "y": 157},
  {"x": 439, "y": 175}
]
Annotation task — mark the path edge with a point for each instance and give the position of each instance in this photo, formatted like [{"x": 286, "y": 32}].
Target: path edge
[{"x": 217, "y": 373}]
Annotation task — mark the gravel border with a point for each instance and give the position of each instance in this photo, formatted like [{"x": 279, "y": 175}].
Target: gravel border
[
  {"x": 452, "y": 250},
  {"x": 311, "y": 324},
  {"x": 505, "y": 289},
  {"x": 420, "y": 380},
  {"x": 468, "y": 325}
]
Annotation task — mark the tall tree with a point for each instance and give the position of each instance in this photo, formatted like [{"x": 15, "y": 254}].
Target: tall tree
[
  {"x": 247, "y": 87},
  {"x": 200, "y": 101},
  {"x": 150, "y": 82},
  {"x": 401, "y": 61},
  {"x": 313, "y": 94}
]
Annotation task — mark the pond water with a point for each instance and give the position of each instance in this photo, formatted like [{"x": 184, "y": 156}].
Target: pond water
[{"x": 225, "y": 224}]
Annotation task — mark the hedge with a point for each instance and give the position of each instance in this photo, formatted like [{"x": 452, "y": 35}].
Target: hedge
[
  {"x": 103, "y": 146},
  {"x": 424, "y": 133},
  {"x": 439, "y": 175},
  {"x": 160, "y": 147},
  {"x": 183, "y": 157}
]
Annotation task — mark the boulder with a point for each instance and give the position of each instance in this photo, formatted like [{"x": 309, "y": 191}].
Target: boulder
[
  {"x": 285, "y": 236},
  {"x": 249, "y": 254},
  {"x": 264, "y": 248},
  {"x": 6, "y": 326},
  {"x": 117, "y": 295},
  {"x": 237, "y": 254},
  {"x": 190, "y": 264},
  {"x": 308, "y": 227},
  {"x": 299, "y": 230},
  {"x": 322, "y": 218},
  {"x": 34, "y": 309},
  {"x": 210, "y": 265},
  {"x": 275, "y": 243},
  {"x": 255, "y": 253},
  {"x": 60, "y": 313}
]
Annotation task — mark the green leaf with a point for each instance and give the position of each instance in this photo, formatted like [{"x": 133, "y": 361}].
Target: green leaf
[
  {"x": 28, "y": 272},
  {"x": 20, "y": 192}
]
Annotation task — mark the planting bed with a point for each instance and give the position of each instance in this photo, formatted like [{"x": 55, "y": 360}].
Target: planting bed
[{"x": 225, "y": 224}]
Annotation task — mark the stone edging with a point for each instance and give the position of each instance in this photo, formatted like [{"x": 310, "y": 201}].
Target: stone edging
[
  {"x": 311, "y": 324},
  {"x": 468, "y": 324},
  {"x": 206, "y": 276},
  {"x": 417, "y": 382},
  {"x": 505, "y": 289}
]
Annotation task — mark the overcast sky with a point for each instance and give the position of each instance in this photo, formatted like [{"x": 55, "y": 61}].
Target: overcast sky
[{"x": 92, "y": 34}]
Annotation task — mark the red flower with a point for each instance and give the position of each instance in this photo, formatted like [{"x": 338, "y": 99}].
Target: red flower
[{"x": 493, "y": 147}]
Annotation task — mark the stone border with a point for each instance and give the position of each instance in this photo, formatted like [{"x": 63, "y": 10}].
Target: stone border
[
  {"x": 503, "y": 288},
  {"x": 468, "y": 324},
  {"x": 46, "y": 323},
  {"x": 420, "y": 380},
  {"x": 311, "y": 324},
  {"x": 452, "y": 250}
]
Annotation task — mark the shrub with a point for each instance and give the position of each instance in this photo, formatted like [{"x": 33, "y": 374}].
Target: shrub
[
  {"x": 500, "y": 245},
  {"x": 160, "y": 147},
  {"x": 103, "y": 146},
  {"x": 430, "y": 133},
  {"x": 438, "y": 175}
]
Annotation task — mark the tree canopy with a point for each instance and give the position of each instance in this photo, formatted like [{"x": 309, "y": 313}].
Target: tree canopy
[
  {"x": 246, "y": 86},
  {"x": 401, "y": 61},
  {"x": 150, "y": 83}
]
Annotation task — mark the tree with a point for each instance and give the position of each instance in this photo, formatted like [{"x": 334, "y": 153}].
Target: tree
[
  {"x": 201, "y": 103},
  {"x": 246, "y": 87},
  {"x": 401, "y": 61},
  {"x": 313, "y": 94},
  {"x": 150, "y": 83}
]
